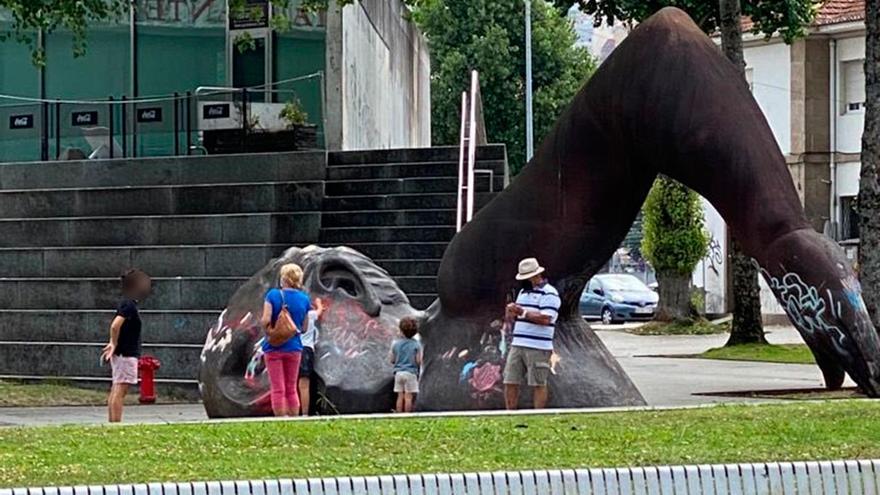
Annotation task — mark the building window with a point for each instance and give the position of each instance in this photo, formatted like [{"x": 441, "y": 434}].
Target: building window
[
  {"x": 853, "y": 86},
  {"x": 849, "y": 218}
]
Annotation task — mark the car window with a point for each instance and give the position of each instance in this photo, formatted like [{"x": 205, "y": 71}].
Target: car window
[
  {"x": 594, "y": 284},
  {"x": 623, "y": 282}
]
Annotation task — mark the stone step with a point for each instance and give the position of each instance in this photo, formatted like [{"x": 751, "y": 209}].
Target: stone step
[
  {"x": 92, "y": 326},
  {"x": 418, "y": 284},
  {"x": 399, "y": 201},
  {"x": 421, "y": 267},
  {"x": 407, "y": 155},
  {"x": 390, "y": 218},
  {"x": 408, "y": 170},
  {"x": 169, "y": 294},
  {"x": 400, "y": 250},
  {"x": 162, "y": 200},
  {"x": 421, "y": 301},
  {"x": 362, "y": 187},
  {"x": 249, "y": 228},
  {"x": 345, "y": 235},
  {"x": 63, "y": 359},
  {"x": 212, "y": 169},
  {"x": 185, "y": 261},
  {"x": 158, "y": 261}
]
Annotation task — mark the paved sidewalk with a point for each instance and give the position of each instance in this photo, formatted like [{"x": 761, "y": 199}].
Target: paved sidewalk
[
  {"x": 673, "y": 381},
  {"x": 33, "y": 416},
  {"x": 663, "y": 381}
]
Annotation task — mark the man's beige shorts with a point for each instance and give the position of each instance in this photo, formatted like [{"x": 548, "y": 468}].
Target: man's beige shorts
[{"x": 529, "y": 365}]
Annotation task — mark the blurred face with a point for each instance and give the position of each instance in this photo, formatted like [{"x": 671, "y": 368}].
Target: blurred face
[{"x": 143, "y": 286}]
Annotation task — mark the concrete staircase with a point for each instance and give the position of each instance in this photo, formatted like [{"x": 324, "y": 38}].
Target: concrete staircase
[
  {"x": 399, "y": 206},
  {"x": 199, "y": 226}
]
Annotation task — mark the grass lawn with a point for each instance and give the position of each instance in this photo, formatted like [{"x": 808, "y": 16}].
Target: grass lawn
[
  {"x": 34, "y": 394},
  {"x": 690, "y": 327},
  {"x": 785, "y": 353},
  {"x": 247, "y": 450}
]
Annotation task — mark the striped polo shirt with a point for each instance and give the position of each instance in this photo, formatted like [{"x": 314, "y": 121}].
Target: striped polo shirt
[{"x": 545, "y": 299}]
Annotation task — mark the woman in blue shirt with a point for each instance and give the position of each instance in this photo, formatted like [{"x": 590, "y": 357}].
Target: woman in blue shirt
[{"x": 282, "y": 361}]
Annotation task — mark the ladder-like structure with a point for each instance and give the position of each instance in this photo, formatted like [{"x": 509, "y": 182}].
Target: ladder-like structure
[{"x": 473, "y": 134}]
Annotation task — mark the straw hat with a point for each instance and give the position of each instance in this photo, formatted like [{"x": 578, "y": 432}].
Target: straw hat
[{"x": 528, "y": 268}]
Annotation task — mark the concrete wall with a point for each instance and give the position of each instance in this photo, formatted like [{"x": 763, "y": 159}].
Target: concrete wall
[
  {"x": 378, "y": 78},
  {"x": 849, "y": 124},
  {"x": 810, "y": 127},
  {"x": 769, "y": 64},
  {"x": 711, "y": 273}
]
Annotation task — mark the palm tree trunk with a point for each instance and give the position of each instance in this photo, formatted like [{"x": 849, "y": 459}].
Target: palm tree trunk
[
  {"x": 747, "y": 326},
  {"x": 869, "y": 186}
]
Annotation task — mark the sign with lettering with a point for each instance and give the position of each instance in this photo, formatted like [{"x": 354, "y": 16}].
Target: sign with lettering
[
  {"x": 21, "y": 121},
  {"x": 215, "y": 111},
  {"x": 254, "y": 14},
  {"x": 212, "y": 14},
  {"x": 149, "y": 115},
  {"x": 83, "y": 118}
]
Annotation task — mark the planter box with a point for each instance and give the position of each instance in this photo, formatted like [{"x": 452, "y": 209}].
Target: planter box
[{"x": 227, "y": 141}]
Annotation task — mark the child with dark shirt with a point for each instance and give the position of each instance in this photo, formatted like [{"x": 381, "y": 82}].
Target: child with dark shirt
[{"x": 124, "y": 347}]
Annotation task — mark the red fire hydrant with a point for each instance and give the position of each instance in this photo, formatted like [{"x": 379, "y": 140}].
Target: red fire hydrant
[{"x": 147, "y": 366}]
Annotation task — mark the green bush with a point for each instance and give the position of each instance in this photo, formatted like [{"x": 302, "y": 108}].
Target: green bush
[
  {"x": 294, "y": 114},
  {"x": 675, "y": 237}
]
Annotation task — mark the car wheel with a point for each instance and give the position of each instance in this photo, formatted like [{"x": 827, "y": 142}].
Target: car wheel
[{"x": 607, "y": 316}]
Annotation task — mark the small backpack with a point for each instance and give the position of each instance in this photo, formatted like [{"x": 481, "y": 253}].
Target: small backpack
[{"x": 284, "y": 328}]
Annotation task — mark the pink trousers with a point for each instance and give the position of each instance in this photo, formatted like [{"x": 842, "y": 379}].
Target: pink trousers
[{"x": 283, "y": 368}]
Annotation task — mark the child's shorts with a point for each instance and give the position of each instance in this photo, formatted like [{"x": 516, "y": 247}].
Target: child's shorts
[
  {"x": 406, "y": 382},
  {"x": 125, "y": 369}
]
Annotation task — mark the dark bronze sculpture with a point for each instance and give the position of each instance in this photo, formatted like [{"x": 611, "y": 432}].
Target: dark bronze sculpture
[{"x": 665, "y": 102}]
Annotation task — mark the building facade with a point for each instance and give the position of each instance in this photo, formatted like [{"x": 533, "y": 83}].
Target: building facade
[
  {"x": 168, "y": 47},
  {"x": 812, "y": 93}
]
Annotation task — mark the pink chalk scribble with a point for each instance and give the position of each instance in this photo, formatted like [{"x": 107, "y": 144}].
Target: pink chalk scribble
[{"x": 486, "y": 377}]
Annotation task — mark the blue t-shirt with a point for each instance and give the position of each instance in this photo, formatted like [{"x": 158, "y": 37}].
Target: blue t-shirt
[
  {"x": 405, "y": 352},
  {"x": 298, "y": 304}
]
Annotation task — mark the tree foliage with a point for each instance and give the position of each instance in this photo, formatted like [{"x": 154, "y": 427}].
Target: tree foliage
[
  {"x": 788, "y": 18},
  {"x": 489, "y": 36},
  {"x": 24, "y": 19},
  {"x": 675, "y": 238}
]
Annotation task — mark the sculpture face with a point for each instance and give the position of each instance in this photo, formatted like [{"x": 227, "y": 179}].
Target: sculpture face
[{"x": 362, "y": 307}]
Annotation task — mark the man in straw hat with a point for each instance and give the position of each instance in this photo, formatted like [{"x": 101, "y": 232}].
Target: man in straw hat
[{"x": 535, "y": 312}]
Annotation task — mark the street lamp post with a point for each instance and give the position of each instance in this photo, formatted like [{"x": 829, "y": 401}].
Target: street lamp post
[{"x": 530, "y": 138}]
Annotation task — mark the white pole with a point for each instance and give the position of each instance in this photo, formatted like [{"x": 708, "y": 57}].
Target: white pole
[
  {"x": 472, "y": 146},
  {"x": 530, "y": 137},
  {"x": 462, "y": 175}
]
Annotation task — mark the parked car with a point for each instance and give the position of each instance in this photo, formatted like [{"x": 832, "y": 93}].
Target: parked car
[{"x": 618, "y": 297}]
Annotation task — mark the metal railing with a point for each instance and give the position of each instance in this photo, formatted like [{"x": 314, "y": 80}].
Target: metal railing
[
  {"x": 34, "y": 129},
  {"x": 473, "y": 134},
  {"x": 782, "y": 478}
]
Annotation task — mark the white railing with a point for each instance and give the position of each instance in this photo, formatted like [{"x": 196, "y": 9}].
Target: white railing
[
  {"x": 473, "y": 134},
  {"x": 814, "y": 478}
]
